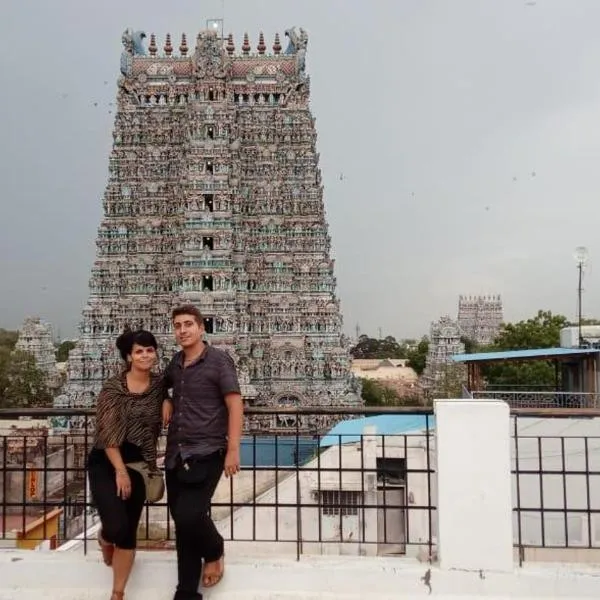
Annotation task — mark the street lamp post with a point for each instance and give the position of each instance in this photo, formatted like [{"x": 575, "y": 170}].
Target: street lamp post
[{"x": 581, "y": 255}]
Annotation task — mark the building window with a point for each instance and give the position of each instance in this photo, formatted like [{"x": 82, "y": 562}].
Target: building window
[
  {"x": 207, "y": 242},
  {"x": 209, "y": 202},
  {"x": 340, "y": 502}
]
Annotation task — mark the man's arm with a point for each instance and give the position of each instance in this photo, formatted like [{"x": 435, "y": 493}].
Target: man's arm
[{"x": 235, "y": 408}]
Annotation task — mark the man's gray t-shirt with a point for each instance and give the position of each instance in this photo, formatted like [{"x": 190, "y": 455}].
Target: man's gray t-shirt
[{"x": 200, "y": 418}]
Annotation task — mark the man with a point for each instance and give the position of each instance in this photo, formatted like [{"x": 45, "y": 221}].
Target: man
[{"x": 205, "y": 420}]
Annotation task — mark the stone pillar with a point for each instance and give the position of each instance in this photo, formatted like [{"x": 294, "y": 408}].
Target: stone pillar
[{"x": 475, "y": 530}]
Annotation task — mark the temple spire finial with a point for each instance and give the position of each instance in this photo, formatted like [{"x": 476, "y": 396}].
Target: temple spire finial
[
  {"x": 277, "y": 45},
  {"x": 183, "y": 48},
  {"x": 168, "y": 46},
  {"x": 152, "y": 48},
  {"x": 230, "y": 45},
  {"x": 261, "y": 44},
  {"x": 246, "y": 45}
]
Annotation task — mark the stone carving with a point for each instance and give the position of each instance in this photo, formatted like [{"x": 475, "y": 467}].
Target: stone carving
[
  {"x": 211, "y": 203},
  {"x": 210, "y": 58},
  {"x": 298, "y": 43},
  {"x": 298, "y": 40},
  {"x": 133, "y": 44}
]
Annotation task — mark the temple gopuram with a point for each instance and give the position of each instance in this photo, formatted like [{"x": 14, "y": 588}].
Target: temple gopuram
[
  {"x": 480, "y": 317},
  {"x": 215, "y": 197}
]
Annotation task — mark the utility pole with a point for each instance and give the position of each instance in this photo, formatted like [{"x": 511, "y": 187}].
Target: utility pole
[{"x": 581, "y": 255}]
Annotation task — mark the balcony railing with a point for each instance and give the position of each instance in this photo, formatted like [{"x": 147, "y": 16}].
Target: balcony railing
[
  {"x": 541, "y": 399},
  {"x": 556, "y": 481},
  {"x": 352, "y": 493}
]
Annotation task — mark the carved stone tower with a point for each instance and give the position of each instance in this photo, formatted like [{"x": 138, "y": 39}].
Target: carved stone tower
[
  {"x": 214, "y": 197},
  {"x": 443, "y": 378},
  {"x": 480, "y": 317}
]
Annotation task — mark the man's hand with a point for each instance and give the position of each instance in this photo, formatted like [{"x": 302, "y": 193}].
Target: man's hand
[
  {"x": 232, "y": 462},
  {"x": 167, "y": 412}
]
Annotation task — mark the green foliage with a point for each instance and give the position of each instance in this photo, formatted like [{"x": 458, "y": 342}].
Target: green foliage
[
  {"x": 541, "y": 331},
  {"x": 22, "y": 384},
  {"x": 418, "y": 356},
  {"x": 376, "y": 393},
  {"x": 470, "y": 345},
  {"x": 62, "y": 353},
  {"x": 8, "y": 338},
  {"x": 388, "y": 347}
]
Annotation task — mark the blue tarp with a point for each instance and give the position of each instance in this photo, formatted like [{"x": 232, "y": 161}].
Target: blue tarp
[{"x": 350, "y": 431}]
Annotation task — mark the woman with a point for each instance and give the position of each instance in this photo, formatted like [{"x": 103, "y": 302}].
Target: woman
[{"x": 128, "y": 422}]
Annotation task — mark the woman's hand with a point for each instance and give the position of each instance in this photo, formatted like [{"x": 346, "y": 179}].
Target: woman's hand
[
  {"x": 123, "y": 485},
  {"x": 167, "y": 412}
]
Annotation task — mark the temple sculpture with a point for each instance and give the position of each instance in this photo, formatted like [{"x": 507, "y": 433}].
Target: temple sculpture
[
  {"x": 480, "y": 317},
  {"x": 215, "y": 197}
]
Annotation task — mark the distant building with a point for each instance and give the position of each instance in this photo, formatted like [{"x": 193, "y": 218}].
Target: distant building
[
  {"x": 35, "y": 337},
  {"x": 480, "y": 317},
  {"x": 442, "y": 376}
]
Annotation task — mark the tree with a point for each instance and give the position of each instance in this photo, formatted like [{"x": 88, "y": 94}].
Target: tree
[
  {"x": 8, "y": 338},
  {"x": 418, "y": 356},
  {"x": 378, "y": 393},
  {"x": 22, "y": 383},
  {"x": 388, "y": 347},
  {"x": 541, "y": 331},
  {"x": 62, "y": 353}
]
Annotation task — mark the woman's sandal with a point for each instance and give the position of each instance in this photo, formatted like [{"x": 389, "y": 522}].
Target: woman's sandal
[
  {"x": 211, "y": 580},
  {"x": 107, "y": 554}
]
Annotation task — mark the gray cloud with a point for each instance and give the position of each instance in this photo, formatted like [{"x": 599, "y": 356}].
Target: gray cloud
[{"x": 430, "y": 109}]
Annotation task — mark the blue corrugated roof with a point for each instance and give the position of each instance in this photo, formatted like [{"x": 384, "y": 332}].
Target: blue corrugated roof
[
  {"x": 517, "y": 354},
  {"x": 350, "y": 431}
]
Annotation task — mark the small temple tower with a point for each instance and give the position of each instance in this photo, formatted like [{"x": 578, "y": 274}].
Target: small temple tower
[
  {"x": 443, "y": 378},
  {"x": 480, "y": 317},
  {"x": 35, "y": 337},
  {"x": 215, "y": 197}
]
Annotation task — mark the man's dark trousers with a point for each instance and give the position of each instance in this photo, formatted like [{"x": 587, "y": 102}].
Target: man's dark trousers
[{"x": 190, "y": 487}]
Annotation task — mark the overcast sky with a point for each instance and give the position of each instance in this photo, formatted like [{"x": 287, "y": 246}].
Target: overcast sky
[{"x": 467, "y": 132}]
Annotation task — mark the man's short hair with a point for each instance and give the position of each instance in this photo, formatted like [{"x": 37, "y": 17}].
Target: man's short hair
[{"x": 188, "y": 309}]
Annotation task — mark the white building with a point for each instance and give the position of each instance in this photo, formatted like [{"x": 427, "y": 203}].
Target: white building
[{"x": 368, "y": 492}]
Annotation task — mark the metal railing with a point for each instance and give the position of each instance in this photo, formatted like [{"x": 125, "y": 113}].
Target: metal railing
[
  {"x": 307, "y": 492},
  {"x": 556, "y": 481},
  {"x": 541, "y": 399}
]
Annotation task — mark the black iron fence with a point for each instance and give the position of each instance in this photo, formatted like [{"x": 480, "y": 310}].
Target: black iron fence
[
  {"x": 347, "y": 491},
  {"x": 556, "y": 480}
]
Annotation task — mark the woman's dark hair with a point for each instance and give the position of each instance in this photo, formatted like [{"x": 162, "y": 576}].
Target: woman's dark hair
[{"x": 128, "y": 338}]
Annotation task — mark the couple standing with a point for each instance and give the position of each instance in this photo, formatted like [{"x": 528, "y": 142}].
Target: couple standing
[{"x": 205, "y": 418}]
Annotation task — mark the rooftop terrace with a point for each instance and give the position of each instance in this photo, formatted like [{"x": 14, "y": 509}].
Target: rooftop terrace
[{"x": 465, "y": 500}]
